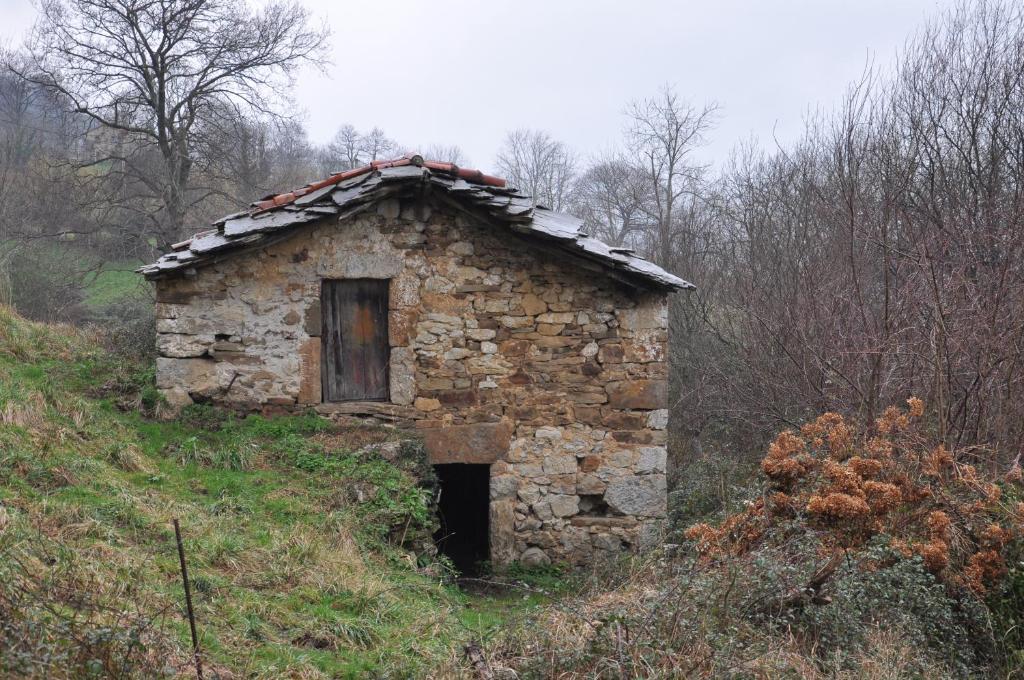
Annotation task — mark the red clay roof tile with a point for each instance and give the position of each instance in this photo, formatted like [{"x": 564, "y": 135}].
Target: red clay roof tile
[{"x": 467, "y": 174}]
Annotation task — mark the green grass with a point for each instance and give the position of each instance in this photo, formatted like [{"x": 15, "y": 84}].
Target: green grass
[
  {"x": 104, "y": 283},
  {"x": 307, "y": 557},
  {"x": 115, "y": 282}
]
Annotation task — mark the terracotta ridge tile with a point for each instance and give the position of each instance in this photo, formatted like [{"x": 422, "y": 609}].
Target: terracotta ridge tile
[{"x": 468, "y": 174}]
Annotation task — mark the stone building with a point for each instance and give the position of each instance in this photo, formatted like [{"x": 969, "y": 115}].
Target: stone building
[{"x": 529, "y": 356}]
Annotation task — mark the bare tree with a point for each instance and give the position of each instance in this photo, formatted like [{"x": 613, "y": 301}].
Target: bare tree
[
  {"x": 344, "y": 150},
  {"x": 35, "y": 133},
  {"x": 376, "y": 145},
  {"x": 541, "y": 166},
  {"x": 662, "y": 133},
  {"x": 250, "y": 157},
  {"x": 151, "y": 70},
  {"x": 446, "y": 153},
  {"x": 612, "y": 195}
]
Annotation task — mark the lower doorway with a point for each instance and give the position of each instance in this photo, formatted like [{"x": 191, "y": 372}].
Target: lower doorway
[{"x": 464, "y": 510}]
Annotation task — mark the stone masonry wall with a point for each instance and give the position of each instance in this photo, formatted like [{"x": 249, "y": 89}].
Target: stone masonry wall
[{"x": 501, "y": 352}]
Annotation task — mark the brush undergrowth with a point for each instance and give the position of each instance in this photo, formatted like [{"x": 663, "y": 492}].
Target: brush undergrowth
[{"x": 864, "y": 551}]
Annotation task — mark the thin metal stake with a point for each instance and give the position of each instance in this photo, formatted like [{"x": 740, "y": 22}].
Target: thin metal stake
[{"x": 188, "y": 601}]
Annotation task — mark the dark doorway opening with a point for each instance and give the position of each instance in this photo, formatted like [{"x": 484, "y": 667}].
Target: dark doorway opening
[{"x": 464, "y": 510}]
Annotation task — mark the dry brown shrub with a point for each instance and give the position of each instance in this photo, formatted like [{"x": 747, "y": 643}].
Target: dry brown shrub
[
  {"x": 786, "y": 461},
  {"x": 983, "y": 570},
  {"x": 840, "y": 505},
  {"x": 935, "y": 554},
  {"x": 853, "y": 483},
  {"x": 938, "y": 524},
  {"x": 866, "y": 467},
  {"x": 882, "y": 496}
]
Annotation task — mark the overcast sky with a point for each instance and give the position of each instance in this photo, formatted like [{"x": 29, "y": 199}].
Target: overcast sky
[{"x": 464, "y": 73}]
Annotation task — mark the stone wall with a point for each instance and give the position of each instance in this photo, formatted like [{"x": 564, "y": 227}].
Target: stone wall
[{"x": 502, "y": 352}]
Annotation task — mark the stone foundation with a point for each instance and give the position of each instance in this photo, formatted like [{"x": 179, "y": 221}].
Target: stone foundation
[{"x": 501, "y": 353}]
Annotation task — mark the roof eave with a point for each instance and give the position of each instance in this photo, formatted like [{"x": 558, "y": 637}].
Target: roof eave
[{"x": 346, "y": 194}]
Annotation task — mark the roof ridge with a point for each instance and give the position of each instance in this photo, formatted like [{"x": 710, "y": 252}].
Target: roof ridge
[
  {"x": 273, "y": 217},
  {"x": 468, "y": 174}
]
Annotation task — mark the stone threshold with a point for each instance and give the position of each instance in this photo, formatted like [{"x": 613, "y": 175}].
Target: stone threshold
[{"x": 377, "y": 409}]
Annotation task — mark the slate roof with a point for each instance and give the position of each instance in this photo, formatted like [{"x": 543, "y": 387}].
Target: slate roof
[{"x": 349, "y": 193}]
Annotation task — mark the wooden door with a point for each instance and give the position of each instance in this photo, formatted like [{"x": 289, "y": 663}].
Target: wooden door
[{"x": 355, "y": 339}]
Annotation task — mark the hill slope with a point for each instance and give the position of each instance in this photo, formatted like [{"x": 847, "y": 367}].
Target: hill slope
[{"x": 308, "y": 551}]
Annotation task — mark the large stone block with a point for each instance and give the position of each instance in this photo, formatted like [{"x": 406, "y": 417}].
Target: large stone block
[
  {"x": 502, "y": 516},
  {"x": 404, "y": 291},
  {"x": 651, "y": 459},
  {"x": 170, "y": 311},
  {"x": 176, "y": 399},
  {"x": 183, "y": 346},
  {"x": 639, "y": 394},
  {"x": 402, "y": 326},
  {"x": 642, "y": 496},
  {"x": 534, "y": 557},
  {"x": 173, "y": 292},
  {"x": 649, "y": 315},
  {"x": 563, "y": 505},
  {"x": 312, "y": 322},
  {"x": 504, "y": 486},
  {"x": 658, "y": 420},
  {"x": 171, "y": 372},
  {"x": 610, "y": 354},
  {"x": 556, "y": 317},
  {"x": 361, "y": 266},
  {"x": 402, "y": 376},
  {"x": 470, "y": 443},
  {"x": 186, "y": 325},
  {"x": 310, "y": 391},
  {"x": 648, "y": 346},
  {"x": 559, "y": 465},
  {"x": 590, "y": 485},
  {"x": 624, "y": 420},
  {"x": 198, "y": 377}
]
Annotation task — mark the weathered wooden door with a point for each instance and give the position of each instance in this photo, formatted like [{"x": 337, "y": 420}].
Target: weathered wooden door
[{"x": 355, "y": 339}]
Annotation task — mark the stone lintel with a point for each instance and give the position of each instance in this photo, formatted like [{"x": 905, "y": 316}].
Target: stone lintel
[{"x": 481, "y": 443}]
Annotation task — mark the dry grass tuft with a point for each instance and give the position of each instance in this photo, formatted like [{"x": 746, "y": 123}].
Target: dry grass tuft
[{"x": 28, "y": 414}]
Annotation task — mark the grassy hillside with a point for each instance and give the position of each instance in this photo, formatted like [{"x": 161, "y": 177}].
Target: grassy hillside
[
  {"x": 113, "y": 283},
  {"x": 308, "y": 551}
]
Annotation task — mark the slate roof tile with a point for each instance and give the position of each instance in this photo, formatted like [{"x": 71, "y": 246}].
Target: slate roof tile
[{"x": 350, "y": 192}]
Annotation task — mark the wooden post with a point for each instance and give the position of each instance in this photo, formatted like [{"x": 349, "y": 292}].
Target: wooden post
[
  {"x": 481, "y": 669},
  {"x": 188, "y": 601}
]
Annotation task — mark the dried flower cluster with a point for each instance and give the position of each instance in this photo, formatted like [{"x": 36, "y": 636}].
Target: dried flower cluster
[{"x": 850, "y": 484}]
